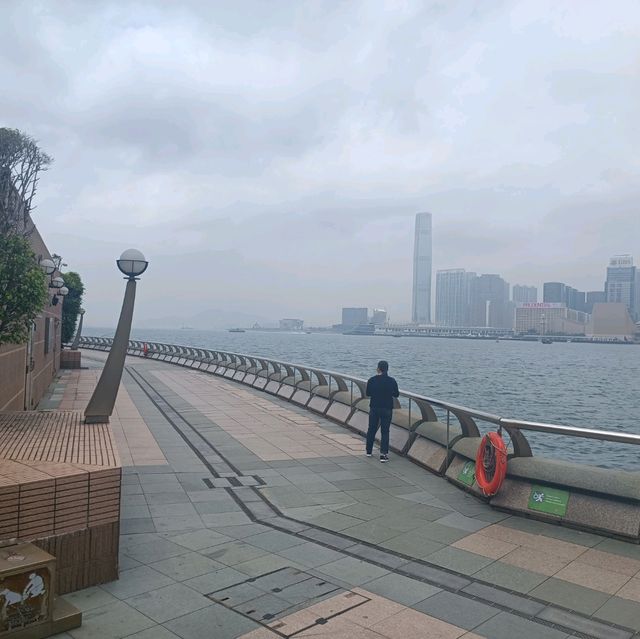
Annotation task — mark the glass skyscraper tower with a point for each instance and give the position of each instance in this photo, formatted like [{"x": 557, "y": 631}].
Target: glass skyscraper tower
[{"x": 421, "y": 307}]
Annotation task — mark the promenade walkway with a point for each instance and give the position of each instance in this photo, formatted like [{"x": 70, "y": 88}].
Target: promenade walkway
[{"x": 246, "y": 516}]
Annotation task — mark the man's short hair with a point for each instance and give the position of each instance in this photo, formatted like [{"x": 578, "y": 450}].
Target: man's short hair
[{"x": 383, "y": 366}]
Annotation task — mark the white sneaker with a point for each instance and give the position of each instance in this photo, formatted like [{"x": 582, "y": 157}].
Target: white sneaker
[{"x": 368, "y": 454}]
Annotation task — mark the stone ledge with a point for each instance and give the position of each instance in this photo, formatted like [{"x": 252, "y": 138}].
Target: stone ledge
[{"x": 618, "y": 483}]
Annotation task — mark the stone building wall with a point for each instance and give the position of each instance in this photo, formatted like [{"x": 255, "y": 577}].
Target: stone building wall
[{"x": 27, "y": 370}]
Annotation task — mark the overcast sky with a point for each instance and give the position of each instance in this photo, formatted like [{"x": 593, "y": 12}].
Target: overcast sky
[{"x": 269, "y": 157}]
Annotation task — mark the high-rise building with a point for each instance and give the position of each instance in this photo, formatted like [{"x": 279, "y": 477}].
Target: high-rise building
[
  {"x": 490, "y": 305},
  {"x": 621, "y": 282},
  {"x": 421, "y": 306},
  {"x": 379, "y": 317},
  {"x": 576, "y": 299},
  {"x": 354, "y": 316},
  {"x": 453, "y": 297},
  {"x": 594, "y": 297},
  {"x": 522, "y": 294},
  {"x": 554, "y": 293},
  {"x": 561, "y": 293}
]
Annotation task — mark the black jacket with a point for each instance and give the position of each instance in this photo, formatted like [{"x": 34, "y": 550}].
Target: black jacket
[{"x": 382, "y": 389}]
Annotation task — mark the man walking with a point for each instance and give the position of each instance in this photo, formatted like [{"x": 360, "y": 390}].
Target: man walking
[{"x": 381, "y": 389}]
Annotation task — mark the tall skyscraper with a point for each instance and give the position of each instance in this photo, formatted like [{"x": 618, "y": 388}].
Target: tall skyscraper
[
  {"x": 422, "y": 257},
  {"x": 354, "y": 316},
  {"x": 453, "y": 297},
  {"x": 621, "y": 282},
  {"x": 490, "y": 305},
  {"x": 524, "y": 294}
]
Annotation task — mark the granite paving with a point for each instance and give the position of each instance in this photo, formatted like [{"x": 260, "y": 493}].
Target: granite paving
[{"x": 244, "y": 515}]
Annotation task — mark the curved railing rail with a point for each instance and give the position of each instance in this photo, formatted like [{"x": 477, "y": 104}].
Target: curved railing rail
[{"x": 324, "y": 388}]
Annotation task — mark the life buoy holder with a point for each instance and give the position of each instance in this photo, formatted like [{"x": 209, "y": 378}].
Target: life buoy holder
[
  {"x": 145, "y": 349},
  {"x": 491, "y": 463}
]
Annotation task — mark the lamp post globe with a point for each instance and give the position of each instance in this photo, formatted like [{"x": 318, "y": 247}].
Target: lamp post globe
[
  {"x": 57, "y": 282},
  {"x": 63, "y": 291},
  {"x": 132, "y": 263},
  {"x": 47, "y": 266}
]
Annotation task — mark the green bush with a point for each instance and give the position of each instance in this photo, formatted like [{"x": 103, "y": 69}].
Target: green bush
[
  {"x": 23, "y": 289},
  {"x": 72, "y": 304}
]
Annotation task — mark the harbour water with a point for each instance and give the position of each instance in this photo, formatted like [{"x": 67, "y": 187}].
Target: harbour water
[{"x": 586, "y": 385}]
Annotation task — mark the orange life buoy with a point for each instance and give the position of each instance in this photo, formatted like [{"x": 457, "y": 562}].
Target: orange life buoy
[
  {"x": 145, "y": 349},
  {"x": 491, "y": 463}
]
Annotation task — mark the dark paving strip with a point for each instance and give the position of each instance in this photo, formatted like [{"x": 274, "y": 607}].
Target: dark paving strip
[
  {"x": 165, "y": 408},
  {"x": 266, "y": 513}
]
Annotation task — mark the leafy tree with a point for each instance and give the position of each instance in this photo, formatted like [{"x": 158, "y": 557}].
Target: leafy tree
[
  {"x": 23, "y": 289},
  {"x": 71, "y": 305},
  {"x": 21, "y": 162}
]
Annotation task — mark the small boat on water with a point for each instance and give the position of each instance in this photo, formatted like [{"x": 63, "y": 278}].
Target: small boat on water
[{"x": 237, "y": 330}]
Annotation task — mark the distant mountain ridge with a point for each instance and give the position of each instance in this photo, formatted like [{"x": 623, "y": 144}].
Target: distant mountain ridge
[{"x": 208, "y": 319}]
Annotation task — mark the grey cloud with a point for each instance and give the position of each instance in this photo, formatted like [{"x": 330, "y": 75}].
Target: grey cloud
[{"x": 272, "y": 155}]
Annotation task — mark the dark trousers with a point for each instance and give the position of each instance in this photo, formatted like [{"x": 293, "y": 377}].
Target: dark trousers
[{"x": 379, "y": 418}]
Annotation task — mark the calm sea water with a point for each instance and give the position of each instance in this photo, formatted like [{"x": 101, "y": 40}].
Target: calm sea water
[{"x": 587, "y": 385}]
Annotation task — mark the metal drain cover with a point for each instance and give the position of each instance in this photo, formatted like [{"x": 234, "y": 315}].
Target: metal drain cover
[{"x": 275, "y": 595}]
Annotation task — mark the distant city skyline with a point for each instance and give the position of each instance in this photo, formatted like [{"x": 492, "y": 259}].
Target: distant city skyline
[
  {"x": 488, "y": 303},
  {"x": 263, "y": 176}
]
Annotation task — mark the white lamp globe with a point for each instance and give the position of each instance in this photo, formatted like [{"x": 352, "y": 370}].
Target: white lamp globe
[
  {"x": 47, "y": 266},
  {"x": 57, "y": 282},
  {"x": 132, "y": 263},
  {"x": 64, "y": 291}
]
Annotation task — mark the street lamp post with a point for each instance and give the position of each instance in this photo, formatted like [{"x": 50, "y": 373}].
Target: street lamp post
[
  {"x": 76, "y": 339},
  {"x": 132, "y": 263}
]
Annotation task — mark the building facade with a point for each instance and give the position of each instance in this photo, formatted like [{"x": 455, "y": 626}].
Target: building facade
[
  {"x": 522, "y": 294},
  {"x": 422, "y": 264},
  {"x": 490, "y": 304},
  {"x": 354, "y": 316},
  {"x": 621, "y": 284},
  {"x": 611, "y": 321},
  {"x": 26, "y": 370},
  {"x": 594, "y": 297},
  {"x": 289, "y": 324},
  {"x": 554, "y": 293},
  {"x": 549, "y": 318},
  {"x": 561, "y": 293},
  {"x": 379, "y": 317},
  {"x": 453, "y": 297}
]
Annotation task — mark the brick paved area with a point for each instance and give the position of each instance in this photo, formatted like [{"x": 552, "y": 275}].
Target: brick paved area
[{"x": 260, "y": 519}]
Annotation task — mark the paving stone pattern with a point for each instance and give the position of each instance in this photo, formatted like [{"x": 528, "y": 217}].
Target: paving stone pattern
[{"x": 290, "y": 502}]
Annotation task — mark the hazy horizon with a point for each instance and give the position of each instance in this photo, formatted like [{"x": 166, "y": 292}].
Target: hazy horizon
[{"x": 269, "y": 159}]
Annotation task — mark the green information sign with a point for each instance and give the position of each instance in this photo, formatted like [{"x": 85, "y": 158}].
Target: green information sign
[
  {"x": 468, "y": 474},
  {"x": 549, "y": 500}
]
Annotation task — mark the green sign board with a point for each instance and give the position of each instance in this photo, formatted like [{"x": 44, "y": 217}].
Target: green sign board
[
  {"x": 549, "y": 500},
  {"x": 468, "y": 474}
]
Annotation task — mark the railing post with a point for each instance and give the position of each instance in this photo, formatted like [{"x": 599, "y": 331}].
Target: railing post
[{"x": 448, "y": 426}]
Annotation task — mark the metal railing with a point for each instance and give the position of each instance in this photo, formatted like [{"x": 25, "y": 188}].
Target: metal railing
[{"x": 329, "y": 388}]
